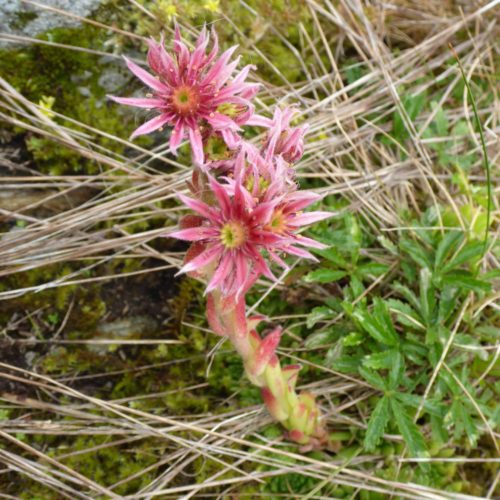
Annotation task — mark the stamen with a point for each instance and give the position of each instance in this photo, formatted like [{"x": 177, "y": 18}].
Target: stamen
[{"x": 233, "y": 234}]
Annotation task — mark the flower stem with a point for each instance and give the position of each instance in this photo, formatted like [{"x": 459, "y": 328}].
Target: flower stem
[{"x": 298, "y": 413}]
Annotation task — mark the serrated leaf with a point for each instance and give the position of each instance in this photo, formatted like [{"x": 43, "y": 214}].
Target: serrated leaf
[
  {"x": 380, "y": 360},
  {"x": 372, "y": 269},
  {"x": 397, "y": 370},
  {"x": 408, "y": 294},
  {"x": 383, "y": 318},
  {"x": 450, "y": 241},
  {"x": 373, "y": 378},
  {"x": 405, "y": 314},
  {"x": 356, "y": 286},
  {"x": 318, "y": 314},
  {"x": 379, "y": 332},
  {"x": 388, "y": 245},
  {"x": 466, "y": 281},
  {"x": 439, "y": 433},
  {"x": 319, "y": 339},
  {"x": 346, "y": 364},
  {"x": 447, "y": 303},
  {"x": 427, "y": 295},
  {"x": 414, "y": 400},
  {"x": 332, "y": 255},
  {"x": 416, "y": 252},
  {"x": 353, "y": 339},
  {"x": 324, "y": 275},
  {"x": 408, "y": 430},
  {"x": 416, "y": 352},
  {"x": 333, "y": 354},
  {"x": 463, "y": 422},
  {"x": 377, "y": 424},
  {"x": 440, "y": 120},
  {"x": 467, "y": 254}
]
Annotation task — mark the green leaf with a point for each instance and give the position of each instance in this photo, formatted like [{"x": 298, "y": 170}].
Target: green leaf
[
  {"x": 405, "y": 314},
  {"x": 346, "y": 364},
  {"x": 408, "y": 430},
  {"x": 468, "y": 253},
  {"x": 383, "y": 318},
  {"x": 320, "y": 338},
  {"x": 372, "y": 269},
  {"x": 463, "y": 422},
  {"x": 356, "y": 286},
  {"x": 353, "y": 339},
  {"x": 416, "y": 252},
  {"x": 447, "y": 245},
  {"x": 373, "y": 378},
  {"x": 388, "y": 245},
  {"x": 377, "y": 424},
  {"x": 318, "y": 314},
  {"x": 438, "y": 430},
  {"x": 447, "y": 303},
  {"x": 466, "y": 281},
  {"x": 324, "y": 276},
  {"x": 379, "y": 332},
  {"x": 408, "y": 294},
  {"x": 333, "y": 354},
  {"x": 414, "y": 400},
  {"x": 427, "y": 295},
  {"x": 440, "y": 120},
  {"x": 397, "y": 371},
  {"x": 413, "y": 104},
  {"x": 332, "y": 255},
  {"x": 380, "y": 360}
]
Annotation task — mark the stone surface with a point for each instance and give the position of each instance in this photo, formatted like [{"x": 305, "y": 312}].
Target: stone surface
[{"x": 21, "y": 18}]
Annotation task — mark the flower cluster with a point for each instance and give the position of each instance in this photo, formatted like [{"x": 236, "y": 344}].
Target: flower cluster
[{"x": 248, "y": 209}]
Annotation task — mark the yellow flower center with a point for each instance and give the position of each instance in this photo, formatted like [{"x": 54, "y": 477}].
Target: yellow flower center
[
  {"x": 278, "y": 223},
  {"x": 233, "y": 234},
  {"x": 229, "y": 109},
  {"x": 185, "y": 100},
  {"x": 250, "y": 184}
]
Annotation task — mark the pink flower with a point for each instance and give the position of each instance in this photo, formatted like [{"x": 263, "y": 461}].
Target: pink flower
[
  {"x": 237, "y": 228},
  {"x": 283, "y": 139},
  {"x": 286, "y": 220},
  {"x": 269, "y": 177},
  {"x": 191, "y": 91},
  {"x": 233, "y": 237}
]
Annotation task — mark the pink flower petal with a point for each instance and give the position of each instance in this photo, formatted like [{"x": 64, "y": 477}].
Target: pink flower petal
[
  {"x": 176, "y": 136},
  {"x": 308, "y": 242},
  {"x": 151, "y": 125},
  {"x": 213, "y": 74},
  {"x": 299, "y": 252},
  {"x": 220, "y": 121},
  {"x": 259, "y": 121},
  {"x": 231, "y": 138},
  {"x": 200, "y": 207},
  {"x": 301, "y": 199},
  {"x": 194, "y": 233},
  {"x": 220, "y": 274},
  {"x": 139, "y": 102},
  {"x": 196, "y": 146},
  {"x": 221, "y": 195},
  {"x": 146, "y": 77},
  {"x": 202, "y": 260},
  {"x": 309, "y": 218}
]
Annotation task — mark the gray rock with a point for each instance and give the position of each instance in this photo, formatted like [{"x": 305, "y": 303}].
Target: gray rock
[
  {"x": 20, "y": 18},
  {"x": 112, "y": 80}
]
